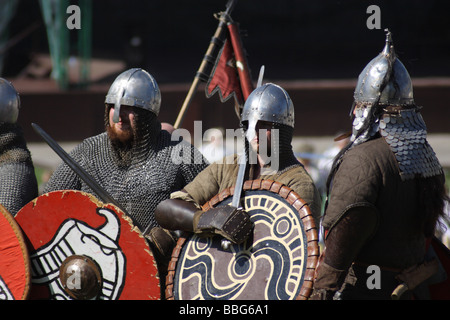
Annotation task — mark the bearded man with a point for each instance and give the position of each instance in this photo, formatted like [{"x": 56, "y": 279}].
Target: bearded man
[{"x": 134, "y": 159}]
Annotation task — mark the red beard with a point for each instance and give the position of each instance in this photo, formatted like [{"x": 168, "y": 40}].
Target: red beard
[{"x": 124, "y": 137}]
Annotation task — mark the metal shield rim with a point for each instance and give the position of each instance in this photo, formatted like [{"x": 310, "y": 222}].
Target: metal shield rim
[
  {"x": 23, "y": 247},
  {"x": 310, "y": 229}
]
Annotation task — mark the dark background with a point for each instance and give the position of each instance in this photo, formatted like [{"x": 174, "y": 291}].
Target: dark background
[{"x": 295, "y": 40}]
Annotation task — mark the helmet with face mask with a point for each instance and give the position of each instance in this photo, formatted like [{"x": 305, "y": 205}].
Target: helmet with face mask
[
  {"x": 384, "y": 104},
  {"x": 134, "y": 87},
  {"x": 383, "y": 82}
]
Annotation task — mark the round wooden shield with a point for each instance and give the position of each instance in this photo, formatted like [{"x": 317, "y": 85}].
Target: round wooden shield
[
  {"x": 277, "y": 262},
  {"x": 14, "y": 260},
  {"x": 81, "y": 248}
]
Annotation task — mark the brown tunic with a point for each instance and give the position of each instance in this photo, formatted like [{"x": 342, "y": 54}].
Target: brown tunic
[
  {"x": 369, "y": 176},
  {"x": 220, "y": 176}
]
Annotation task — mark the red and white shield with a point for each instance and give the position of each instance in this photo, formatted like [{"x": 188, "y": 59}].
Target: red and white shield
[
  {"x": 14, "y": 260},
  {"x": 82, "y": 248}
]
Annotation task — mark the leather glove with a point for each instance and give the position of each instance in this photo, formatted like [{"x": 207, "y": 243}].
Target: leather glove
[
  {"x": 327, "y": 282},
  {"x": 230, "y": 222},
  {"x": 163, "y": 240}
]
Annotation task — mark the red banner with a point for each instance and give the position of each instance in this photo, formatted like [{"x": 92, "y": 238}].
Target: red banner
[{"x": 230, "y": 75}]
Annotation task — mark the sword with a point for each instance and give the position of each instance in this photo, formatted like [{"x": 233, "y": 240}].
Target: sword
[
  {"x": 86, "y": 177},
  {"x": 261, "y": 76},
  {"x": 239, "y": 183},
  {"x": 236, "y": 201},
  {"x": 242, "y": 166}
]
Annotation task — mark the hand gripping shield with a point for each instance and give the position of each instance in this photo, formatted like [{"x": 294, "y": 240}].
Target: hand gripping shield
[{"x": 276, "y": 262}]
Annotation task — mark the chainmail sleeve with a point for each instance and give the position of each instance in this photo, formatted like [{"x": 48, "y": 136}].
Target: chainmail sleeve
[{"x": 18, "y": 184}]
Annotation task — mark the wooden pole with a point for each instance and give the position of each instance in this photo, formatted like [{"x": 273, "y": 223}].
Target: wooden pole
[{"x": 213, "y": 45}]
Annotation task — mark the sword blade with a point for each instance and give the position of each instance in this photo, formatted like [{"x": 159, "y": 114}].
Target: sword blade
[
  {"x": 261, "y": 76},
  {"x": 238, "y": 186},
  {"x": 86, "y": 177}
]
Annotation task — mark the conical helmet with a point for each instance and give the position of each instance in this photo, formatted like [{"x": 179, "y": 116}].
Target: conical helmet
[
  {"x": 9, "y": 102},
  {"x": 134, "y": 87},
  {"x": 383, "y": 83},
  {"x": 385, "y": 80}
]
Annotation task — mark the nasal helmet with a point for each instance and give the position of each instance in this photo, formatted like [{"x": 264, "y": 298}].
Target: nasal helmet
[{"x": 134, "y": 87}]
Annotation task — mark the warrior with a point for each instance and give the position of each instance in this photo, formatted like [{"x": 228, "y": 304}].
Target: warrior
[
  {"x": 269, "y": 111},
  {"x": 133, "y": 159},
  {"x": 18, "y": 184},
  {"x": 385, "y": 191}
]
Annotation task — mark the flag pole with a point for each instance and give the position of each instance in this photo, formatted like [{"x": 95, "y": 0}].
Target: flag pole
[{"x": 216, "y": 42}]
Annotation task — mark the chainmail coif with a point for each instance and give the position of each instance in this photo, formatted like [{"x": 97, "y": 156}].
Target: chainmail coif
[
  {"x": 18, "y": 184},
  {"x": 282, "y": 147},
  {"x": 138, "y": 178}
]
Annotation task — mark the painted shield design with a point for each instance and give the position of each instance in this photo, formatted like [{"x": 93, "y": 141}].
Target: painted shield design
[
  {"x": 14, "y": 259},
  {"x": 276, "y": 263},
  {"x": 81, "y": 248}
]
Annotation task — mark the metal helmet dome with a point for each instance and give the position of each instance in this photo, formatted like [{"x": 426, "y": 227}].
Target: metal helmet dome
[
  {"x": 134, "y": 87},
  {"x": 9, "y": 102},
  {"x": 271, "y": 103},
  {"x": 385, "y": 80}
]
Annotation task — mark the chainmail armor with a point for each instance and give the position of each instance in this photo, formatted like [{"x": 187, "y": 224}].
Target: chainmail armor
[
  {"x": 282, "y": 146},
  {"x": 138, "y": 179},
  {"x": 18, "y": 184}
]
